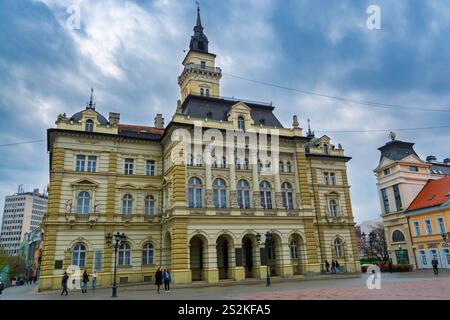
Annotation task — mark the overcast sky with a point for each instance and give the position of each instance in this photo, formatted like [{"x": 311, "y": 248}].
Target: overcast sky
[{"x": 131, "y": 53}]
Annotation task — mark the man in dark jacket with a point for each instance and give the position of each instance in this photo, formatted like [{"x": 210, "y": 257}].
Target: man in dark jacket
[
  {"x": 64, "y": 283},
  {"x": 327, "y": 266},
  {"x": 434, "y": 263}
]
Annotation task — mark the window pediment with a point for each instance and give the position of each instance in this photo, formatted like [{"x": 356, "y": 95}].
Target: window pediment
[{"x": 85, "y": 183}]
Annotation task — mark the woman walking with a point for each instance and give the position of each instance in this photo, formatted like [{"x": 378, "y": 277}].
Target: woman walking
[
  {"x": 158, "y": 279},
  {"x": 85, "y": 282},
  {"x": 167, "y": 279},
  {"x": 94, "y": 280}
]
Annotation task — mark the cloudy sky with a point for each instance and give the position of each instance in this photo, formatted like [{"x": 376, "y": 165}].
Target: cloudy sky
[{"x": 131, "y": 53}]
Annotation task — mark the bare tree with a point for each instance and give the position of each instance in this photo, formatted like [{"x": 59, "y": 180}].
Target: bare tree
[{"x": 374, "y": 245}]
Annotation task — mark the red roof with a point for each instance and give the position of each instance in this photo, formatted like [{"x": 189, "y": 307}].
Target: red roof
[{"x": 434, "y": 193}]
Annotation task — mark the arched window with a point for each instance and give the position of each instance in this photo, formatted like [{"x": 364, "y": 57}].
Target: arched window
[
  {"x": 243, "y": 194},
  {"x": 325, "y": 149},
  {"x": 288, "y": 167},
  {"x": 398, "y": 236},
  {"x": 147, "y": 254},
  {"x": 333, "y": 208},
  {"x": 207, "y": 92},
  {"x": 149, "y": 205},
  {"x": 195, "y": 193},
  {"x": 265, "y": 192},
  {"x": 338, "y": 248},
  {"x": 89, "y": 125},
  {"x": 241, "y": 123},
  {"x": 83, "y": 202},
  {"x": 281, "y": 166},
  {"x": 220, "y": 193},
  {"x": 127, "y": 204},
  {"x": 286, "y": 193},
  {"x": 124, "y": 255},
  {"x": 294, "y": 249},
  {"x": 79, "y": 255},
  {"x": 202, "y": 91}
]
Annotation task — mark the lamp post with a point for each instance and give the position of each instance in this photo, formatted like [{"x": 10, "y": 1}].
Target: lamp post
[
  {"x": 118, "y": 238},
  {"x": 267, "y": 243}
]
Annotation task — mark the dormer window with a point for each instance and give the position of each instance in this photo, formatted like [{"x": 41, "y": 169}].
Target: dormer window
[
  {"x": 89, "y": 126},
  {"x": 325, "y": 149},
  {"x": 241, "y": 123}
]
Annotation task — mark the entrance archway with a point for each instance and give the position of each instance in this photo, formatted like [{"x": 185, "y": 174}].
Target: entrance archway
[
  {"x": 275, "y": 255},
  {"x": 198, "y": 256},
  {"x": 248, "y": 256},
  {"x": 224, "y": 247},
  {"x": 297, "y": 253},
  {"x": 167, "y": 252}
]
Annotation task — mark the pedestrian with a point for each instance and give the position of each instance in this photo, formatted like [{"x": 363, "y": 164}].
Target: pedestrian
[
  {"x": 333, "y": 266},
  {"x": 337, "y": 266},
  {"x": 158, "y": 279},
  {"x": 434, "y": 263},
  {"x": 94, "y": 280},
  {"x": 85, "y": 281},
  {"x": 2, "y": 286},
  {"x": 65, "y": 278},
  {"x": 327, "y": 266},
  {"x": 167, "y": 279}
]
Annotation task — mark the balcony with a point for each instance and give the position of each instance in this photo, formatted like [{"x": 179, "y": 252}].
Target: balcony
[{"x": 194, "y": 66}]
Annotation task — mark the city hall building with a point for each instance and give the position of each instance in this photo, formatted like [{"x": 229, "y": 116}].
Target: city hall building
[{"x": 205, "y": 220}]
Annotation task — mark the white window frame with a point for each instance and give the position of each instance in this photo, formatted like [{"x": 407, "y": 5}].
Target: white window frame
[{"x": 428, "y": 223}]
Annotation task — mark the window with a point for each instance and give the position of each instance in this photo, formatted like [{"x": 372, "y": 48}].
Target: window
[
  {"x": 385, "y": 200},
  {"x": 202, "y": 91},
  {"x": 124, "y": 255},
  {"x": 428, "y": 227},
  {"x": 91, "y": 163},
  {"x": 423, "y": 258},
  {"x": 129, "y": 166},
  {"x": 149, "y": 205},
  {"x": 447, "y": 255},
  {"x": 326, "y": 178},
  {"x": 214, "y": 162},
  {"x": 294, "y": 250},
  {"x": 190, "y": 160},
  {"x": 417, "y": 228},
  {"x": 338, "y": 248},
  {"x": 127, "y": 204},
  {"x": 387, "y": 171},
  {"x": 241, "y": 123},
  {"x": 413, "y": 169},
  {"x": 147, "y": 254},
  {"x": 220, "y": 193},
  {"x": 81, "y": 159},
  {"x": 89, "y": 125},
  {"x": 238, "y": 164},
  {"x": 207, "y": 92},
  {"x": 202, "y": 64},
  {"x": 246, "y": 164},
  {"x": 79, "y": 255},
  {"x": 286, "y": 190},
  {"x": 266, "y": 195},
  {"x": 332, "y": 179},
  {"x": 288, "y": 167},
  {"x": 83, "y": 201},
  {"x": 150, "y": 168},
  {"x": 243, "y": 194},
  {"x": 281, "y": 166},
  {"x": 441, "y": 225},
  {"x": 398, "y": 199},
  {"x": 398, "y": 236},
  {"x": 223, "y": 164},
  {"x": 195, "y": 193},
  {"x": 198, "y": 160},
  {"x": 325, "y": 149},
  {"x": 333, "y": 208}
]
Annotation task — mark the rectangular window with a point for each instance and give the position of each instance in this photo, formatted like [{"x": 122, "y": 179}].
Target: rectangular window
[
  {"x": 202, "y": 64},
  {"x": 326, "y": 178},
  {"x": 385, "y": 200},
  {"x": 332, "y": 179},
  {"x": 398, "y": 199},
  {"x": 387, "y": 171},
  {"x": 129, "y": 166},
  {"x": 417, "y": 228},
  {"x": 150, "y": 168},
  {"x": 441, "y": 225},
  {"x": 428, "y": 227},
  {"x": 413, "y": 169},
  {"x": 81, "y": 159},
  {"x": 92, "y": 164},
  {"x": 98, "y": 260}
]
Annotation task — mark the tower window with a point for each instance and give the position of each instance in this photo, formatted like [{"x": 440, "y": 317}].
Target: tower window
[
  {"x": 203, "y": 64},
  {"x": 241, "y": 123},
  {"x": 201, "y": 46}
]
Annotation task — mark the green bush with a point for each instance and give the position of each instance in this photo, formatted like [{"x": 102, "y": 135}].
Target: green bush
[{"x": 395, "y": 268}]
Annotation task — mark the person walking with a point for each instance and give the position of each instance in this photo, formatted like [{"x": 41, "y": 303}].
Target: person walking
[
  {"x": 94, "y": 280},
  {"x": 337, "y": 266},
  {"x": 333, "y": 266},
  {"x": 158, "y": 279},
  {"x": 167, "y": 279},
  {"x": 85, "y": 281},
  {"x": 64, "y": 280},
  {"x": 327, "y": 266},
  {"x": 434, "y": 263}
]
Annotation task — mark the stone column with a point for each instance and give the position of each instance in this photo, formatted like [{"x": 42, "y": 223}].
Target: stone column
[
  {"x": 254, "y": 165},
  {"x": 212, "y": 272},
  {"x": 232, "y": 187},
  {"x": 278, "y": 198}
]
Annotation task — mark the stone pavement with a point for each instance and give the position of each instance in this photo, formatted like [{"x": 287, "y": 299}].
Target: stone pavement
[{"x": 396, "y": 286}]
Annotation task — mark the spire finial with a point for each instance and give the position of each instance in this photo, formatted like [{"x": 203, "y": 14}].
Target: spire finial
[
  {"x": 310, "y": 133},
  {"x": 199, "y": 21},
  {"x": 91, "y": 104}
]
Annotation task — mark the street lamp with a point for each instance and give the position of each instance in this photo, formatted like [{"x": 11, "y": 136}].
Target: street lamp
[
  {"x": 118, "y": 238},
  {"x": 268, "y": 243}
]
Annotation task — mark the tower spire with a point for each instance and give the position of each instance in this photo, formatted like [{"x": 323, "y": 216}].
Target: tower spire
[
  {"x": 310, "y": 133},
  {"x": 91, "y": 104},
  {"x": 199, "y": 21},
  {"x": 199, "y": 41}
]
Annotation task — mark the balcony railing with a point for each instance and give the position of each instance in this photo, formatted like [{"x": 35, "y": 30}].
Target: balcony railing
[{"x": 194, "y": 66}]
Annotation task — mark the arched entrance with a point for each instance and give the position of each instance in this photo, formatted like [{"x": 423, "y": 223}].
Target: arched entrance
[
  {"x": 167, "y": 252},
  {"x": 224, "y": 247},
  {"x": 297, "y": 253},
  {"x": 198, "y": 256},
  {"x": 275, "y": 255},
  {"x": 248, "y": 256}
]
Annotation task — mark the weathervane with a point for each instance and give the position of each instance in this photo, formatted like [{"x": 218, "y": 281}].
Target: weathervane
[{"x": 90, "y": 104}]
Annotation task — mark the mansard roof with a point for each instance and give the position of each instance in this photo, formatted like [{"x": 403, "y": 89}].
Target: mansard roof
[
  {"x": 101, "y": 119},
  {"x": 214, "y": 108},
  {"x": 397, "y": 150}
]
